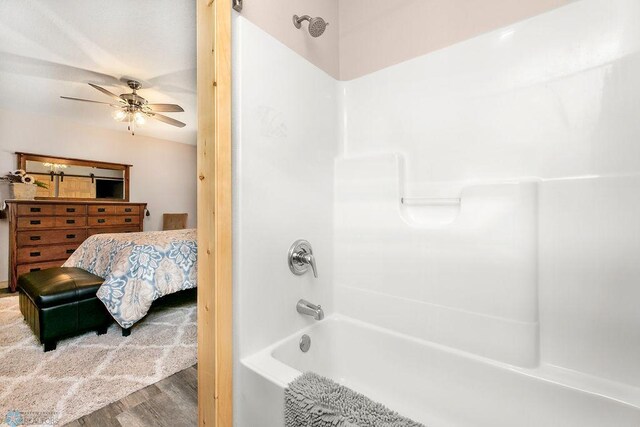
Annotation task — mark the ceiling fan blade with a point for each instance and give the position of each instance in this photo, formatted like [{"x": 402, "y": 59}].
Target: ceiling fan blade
[
  {"x": 167, "y": 120},
  {"x": 88, "y": 100},
  {"x": 166, "y": 108},
  {"x": 106, "y": 92}
]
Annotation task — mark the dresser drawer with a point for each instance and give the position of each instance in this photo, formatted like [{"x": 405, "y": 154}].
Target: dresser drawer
[
  {"x": 106, "y": 221},
  {"x": 104, "y": 230},
  {"x": 127, "y": 210},
  {"x": 26, "y": 223},
  {"x": 102, "y": 210},
  {"x": 68, "y": 210},
  {"x": 70, "y": 221},
  {"x": 28, "y": 268},
  {"x": 35, "y": 209},
  {"x": 45, "y": 253},
  {"x": 50, "y": 237}
]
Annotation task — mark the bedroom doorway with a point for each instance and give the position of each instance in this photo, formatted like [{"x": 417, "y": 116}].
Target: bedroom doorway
[
  {"x": 214, "y": 214},
  {"x": 101, "y": 147}
]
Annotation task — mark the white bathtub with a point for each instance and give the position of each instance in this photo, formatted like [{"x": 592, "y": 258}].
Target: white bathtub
[{"x": 435, "y": 385}]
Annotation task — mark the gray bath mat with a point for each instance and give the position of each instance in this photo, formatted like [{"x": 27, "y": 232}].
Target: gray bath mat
[{"x": 315, "y": 401}]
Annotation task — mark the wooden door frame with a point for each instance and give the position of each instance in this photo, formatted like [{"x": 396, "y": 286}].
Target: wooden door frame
[{"x": 215, "y": 406}]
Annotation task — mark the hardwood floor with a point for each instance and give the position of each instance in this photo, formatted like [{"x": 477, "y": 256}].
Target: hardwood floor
[{"x": 169, "y": 402}]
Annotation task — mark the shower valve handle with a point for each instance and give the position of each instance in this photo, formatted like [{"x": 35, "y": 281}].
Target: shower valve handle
[
  {"x": 301, "y": 258},
  {"x": 310, "y": 260}
]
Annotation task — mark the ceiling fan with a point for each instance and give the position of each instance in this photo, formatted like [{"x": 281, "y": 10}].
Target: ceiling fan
[{"x": 134, "y": 109}]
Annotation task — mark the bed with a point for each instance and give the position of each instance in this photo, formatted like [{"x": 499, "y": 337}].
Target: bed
[{"x": 138, "y": 268}]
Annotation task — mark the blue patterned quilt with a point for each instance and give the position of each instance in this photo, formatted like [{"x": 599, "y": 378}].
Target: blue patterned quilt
[{"x": 138, "y": 268}]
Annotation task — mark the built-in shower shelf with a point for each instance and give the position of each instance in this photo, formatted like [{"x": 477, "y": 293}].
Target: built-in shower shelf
[{"x": 430, "y": 211}]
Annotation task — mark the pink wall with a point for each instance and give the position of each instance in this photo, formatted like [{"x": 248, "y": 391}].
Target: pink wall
[
  {"x": 367, "y": 35},
  {"x": 275, "y": 17},
  {"x": 375, "y": 34}
]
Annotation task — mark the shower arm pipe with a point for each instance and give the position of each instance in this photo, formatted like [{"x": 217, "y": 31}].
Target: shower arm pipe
[{"x": 300, "y": 19}]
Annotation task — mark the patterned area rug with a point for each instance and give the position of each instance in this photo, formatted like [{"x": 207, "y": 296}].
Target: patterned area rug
[{"x": 88, "y": 372}]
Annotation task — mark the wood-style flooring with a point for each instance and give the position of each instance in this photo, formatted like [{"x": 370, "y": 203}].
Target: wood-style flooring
[{"x": 172, "y": 402}]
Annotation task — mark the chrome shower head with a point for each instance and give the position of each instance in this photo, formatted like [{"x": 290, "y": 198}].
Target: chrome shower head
[{"x": 317, "y": 25}]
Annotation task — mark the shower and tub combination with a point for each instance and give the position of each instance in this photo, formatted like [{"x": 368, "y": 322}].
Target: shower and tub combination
[
  {"x": 491, "y": 379},
  {"x": 428, "y": 383},
  {"x": 470, "y": 215}
]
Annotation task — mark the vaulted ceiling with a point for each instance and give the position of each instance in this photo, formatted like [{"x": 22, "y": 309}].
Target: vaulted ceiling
[{"x": 52, "y": 48}]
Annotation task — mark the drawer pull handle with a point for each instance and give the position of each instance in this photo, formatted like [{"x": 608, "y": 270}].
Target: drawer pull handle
[
  {"x": 127, "y": 220},
  {"x": 34, "y": 222},
  {"x": 71, "y": 221},
  {"x": 127, "y": 209},
  {"x": 34, "y": 253},
  {"x": 71, "y": 209},
  {"x": 35, "y": 209},
  {"x": 102, "y": 221},
  {"x": 34, "y": 238},
  {"x": 70, "y": 251},
  {"x": 35, "y": 269},
  {"x": 71, "y": 236},
  {"x": 101, "y": 209}
]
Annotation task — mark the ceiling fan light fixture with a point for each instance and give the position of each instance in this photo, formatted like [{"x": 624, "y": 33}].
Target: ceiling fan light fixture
[
  {"x": 119, "y": 115},
  {"x": 133, "y": 108},
  {"x": 139, "y": 118}
]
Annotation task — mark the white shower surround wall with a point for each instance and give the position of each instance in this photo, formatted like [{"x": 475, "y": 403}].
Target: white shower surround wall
[
  {"x": 552, "y": 99},
  {"x": 465, "y": 277},
  {"x": 533, "y": 127},
  {"x": 285, "y": 144}
]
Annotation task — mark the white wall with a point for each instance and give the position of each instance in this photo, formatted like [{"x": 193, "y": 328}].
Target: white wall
[
  {"x": 552, "y": 100},
  {"x": 589, "y": 270},
  {"x": 163, "y": 172},
  {"x": 462, "y": 275},
  {"x": 285, "y": 142}
]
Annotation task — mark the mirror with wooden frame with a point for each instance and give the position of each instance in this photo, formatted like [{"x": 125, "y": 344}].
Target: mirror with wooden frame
[{"x": 77, "y": 179}]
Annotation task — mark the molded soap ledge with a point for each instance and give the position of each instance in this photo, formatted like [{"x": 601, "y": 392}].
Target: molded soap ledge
[
  {"x": 379, "y": 181},
  {"x": 429, "y": 211}
]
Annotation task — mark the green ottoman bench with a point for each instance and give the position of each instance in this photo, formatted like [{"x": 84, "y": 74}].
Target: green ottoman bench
[{"x": 61, "y": 302}]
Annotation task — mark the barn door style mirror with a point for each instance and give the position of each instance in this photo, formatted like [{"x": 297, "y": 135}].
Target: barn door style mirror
[{"x": 77, "y": 179}]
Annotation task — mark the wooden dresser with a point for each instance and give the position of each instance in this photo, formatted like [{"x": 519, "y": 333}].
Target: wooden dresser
[{"x": 43, "y": 234}]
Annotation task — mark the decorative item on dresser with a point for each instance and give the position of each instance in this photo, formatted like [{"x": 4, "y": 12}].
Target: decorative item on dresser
[
  {"x": 44, "y": 233},
  {"x": 20, "y": 185}
]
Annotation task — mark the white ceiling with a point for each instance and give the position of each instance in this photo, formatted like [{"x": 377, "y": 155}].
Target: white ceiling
[{"x": 52, "y": 48}]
